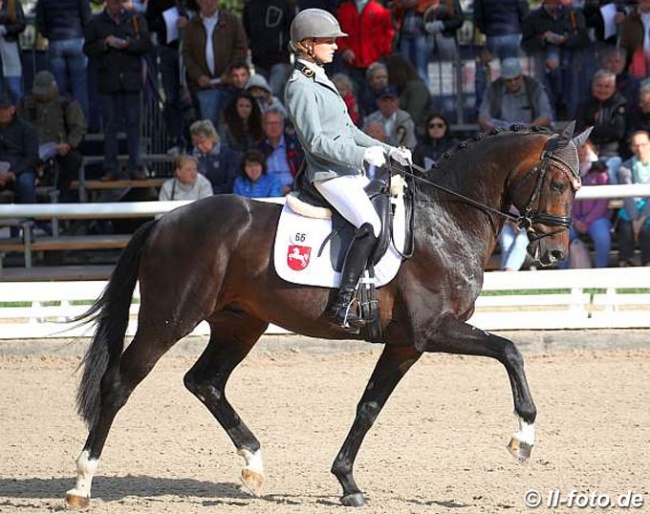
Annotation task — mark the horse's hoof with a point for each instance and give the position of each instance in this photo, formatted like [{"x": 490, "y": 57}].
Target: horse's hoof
[
  {"x": 520, "y": 450},
  {"x": 353, "y": 500},
  {"x": 76, "y": 502},
  {"x": 252, "y": 480}
]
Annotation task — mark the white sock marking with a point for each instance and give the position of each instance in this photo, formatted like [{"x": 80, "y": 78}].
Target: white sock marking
[{"x": 86, "y": 469}]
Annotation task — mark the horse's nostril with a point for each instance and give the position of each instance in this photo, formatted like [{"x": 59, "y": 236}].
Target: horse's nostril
[{"x": 557, "y": 255}]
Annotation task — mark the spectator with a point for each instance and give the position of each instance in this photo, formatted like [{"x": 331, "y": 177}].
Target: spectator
[
  {"x": 626, "y": 83},
  {"x": 346, "y": 90},
  {"x": 437, "y": 140},
  {"x": 259, "y": 89},
  {"x": 61, "y": 127},
  {"x": 187, "y": 184},
  {"x": 605, "y": 110},
  {"x": 12, "y": 24},
  {"x": 239, "y": 73},
  {"x": 442, "y": 19},
  {"x": 553, "y": 35},
  {"x": 117, "y": 39},
  {"x": 398, "y": 124},
  {"x": 211, "y": 42},
  {"x": 63, "y": 22},
  {"x": 18, "y": 153},
  {"x": 254, "y": 181},
  {"x": 639, "y": 113},
  {"x": 215, "y": 161},
  {"x": 632, "y": 226},
  {"x": 242, "y": 123},
  {"x": 376, "y": 80},
  {"x": 370, "y": 32},
  {"x": 414, "y": 95},
  {"x": 501, "y": 22},
  {"x": 592, "y": 217},
  {"x": 514, "y": 98},
  {"x": 635, "y": 40},
  {"x": 282, "y": 150},
  {"x": 376, "y": 130},
  {"x": 169, "y": 64},
  {"x": 267, "y": 24}
]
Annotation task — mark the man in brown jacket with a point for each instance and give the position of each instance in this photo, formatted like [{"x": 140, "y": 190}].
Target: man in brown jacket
[{"x": 212, "y": 41}]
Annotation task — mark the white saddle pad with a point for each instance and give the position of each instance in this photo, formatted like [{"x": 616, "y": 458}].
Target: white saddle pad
[{"x": 299, "y": 239}]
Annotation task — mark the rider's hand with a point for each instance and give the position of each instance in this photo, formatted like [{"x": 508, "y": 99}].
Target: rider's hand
[
  {"x": 401, "y": 155},
  {"x": 375, "y": 156}
]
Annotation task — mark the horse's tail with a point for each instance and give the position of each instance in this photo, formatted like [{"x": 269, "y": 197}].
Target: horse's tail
[{"x": 111, "y": 313}]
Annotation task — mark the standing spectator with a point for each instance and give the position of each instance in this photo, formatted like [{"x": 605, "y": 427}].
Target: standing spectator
[
  {"x": 501, "y": 22},
  {"x": 553, "y": 35},
  {"x": 414, "y": 96},
  {"x": 216, "y": 162},
  {"x": 169, "y": 64},
  {"x": 376, "y": 80},
  {"x": 18, "y": 153},
  {"x": 633, "y": 226},
  {"x": 187, "y": 184},
  {"x": 211, "y": 42},
  {"x": 12, "y": 24},
  {"x": 61, "y": 127},
  {"x": 442, "y": 19},
  {"x": 254, "y": 181},
  {"x": 635, "y": 40},
  {"x": 282, "y": 150},
  {"x": 259, "y": 88},
  {"x": 346, "y": 90},
  {"x": 605, "y": 110},
  {"x": 370, "y": 32},
  {"x": 436, "y": 141},
  {"x": 514, "y": 98},
  {"x": 63, "y": 22},
  {"x": 398, "y": 124},
  {"x": 267, "y": 24},
  {"x": 242, "y": 123},
  {"x": 117, "y": 39}
]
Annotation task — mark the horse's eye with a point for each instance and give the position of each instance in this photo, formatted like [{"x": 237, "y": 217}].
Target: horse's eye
[{"x": 560, "y": 187}]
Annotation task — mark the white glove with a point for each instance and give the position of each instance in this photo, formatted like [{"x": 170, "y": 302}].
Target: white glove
[
  {"x": 401, "y": 155},
  {"x": 375, "y": 156},
  {"x": 433, "y": 27}
]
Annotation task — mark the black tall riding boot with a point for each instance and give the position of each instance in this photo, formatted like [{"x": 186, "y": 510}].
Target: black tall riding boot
[{"x": 340, "y": 311}]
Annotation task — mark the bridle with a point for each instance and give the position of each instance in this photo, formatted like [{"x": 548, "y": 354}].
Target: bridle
[{"x": 528, "y": 218}]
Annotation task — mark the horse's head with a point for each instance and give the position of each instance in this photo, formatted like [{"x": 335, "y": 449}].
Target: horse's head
[{"x": 543, "y": 188}]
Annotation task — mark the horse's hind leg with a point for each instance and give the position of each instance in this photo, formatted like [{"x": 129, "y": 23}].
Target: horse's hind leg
[
  {"x": 389, "y": 370},
  {"x": 117, "y": 384},
  {"x": 455, "y": 336},
  {"x": 233, "y": 334}
]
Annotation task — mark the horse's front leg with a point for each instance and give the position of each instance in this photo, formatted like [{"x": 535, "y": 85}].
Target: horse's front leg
[
  {"x": 454, "y": 336},
  {"x": 391, "y": 367}
]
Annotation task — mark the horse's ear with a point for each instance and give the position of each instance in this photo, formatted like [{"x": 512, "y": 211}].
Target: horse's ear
[
  {"x": 568, "y": 131},
  {"x": 581, "y": 139}
]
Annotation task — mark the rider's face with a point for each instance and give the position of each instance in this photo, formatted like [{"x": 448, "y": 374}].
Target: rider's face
[{"x": 324, "y": 48}]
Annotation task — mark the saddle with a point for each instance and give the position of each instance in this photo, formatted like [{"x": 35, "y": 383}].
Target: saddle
[{"x": 309, "y": 202}]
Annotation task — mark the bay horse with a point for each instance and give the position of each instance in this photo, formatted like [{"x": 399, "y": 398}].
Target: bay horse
[{"x": 211, "y": 260}]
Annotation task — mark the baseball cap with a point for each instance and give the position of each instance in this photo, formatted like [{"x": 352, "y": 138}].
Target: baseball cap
[
  {"x": 43, "y": 80},
  {"x": 387, "y": 92},
  {"x": 510, "y": 68}
]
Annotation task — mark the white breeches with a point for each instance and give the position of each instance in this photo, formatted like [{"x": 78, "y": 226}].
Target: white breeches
[{"x": 347, "y": 196}]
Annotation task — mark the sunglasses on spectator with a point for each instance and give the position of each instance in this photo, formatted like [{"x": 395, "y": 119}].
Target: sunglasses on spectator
[{"x": 436, "y": 125}]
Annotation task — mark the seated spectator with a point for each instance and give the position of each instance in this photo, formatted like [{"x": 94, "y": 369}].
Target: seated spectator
[
  {"x": 211, "y": 42},
  {"x": 437, "y": 140},
  {"x": 242, "y": 123},
  {"x": 638, "y": 115},
  {"x": 632, "y": 225},
  {"x": 398, "y": 124},
  {"x": 253, "y": 181},
  {"x": 592, "y": 217},
  {"x": 61, "y": 127},
  {"x": 514, "y": 98},
  {"x": 376, "y": 130},
  {"x": 605, "y": 109},
  {"x": 346, "y": 90},
  {"x": 414, "y": 96},
  {"x": 12, "y": 24},
  {"x": 281, "y": 149},
  {"x": 18, "y": 153},
  {"x": 259, "y": 88},
  {"x": 187, "y": 184},
  {"x": 216, "y": 162},
  {"x": 239, "y": 73},
  {"x": 376, "y": 80}
]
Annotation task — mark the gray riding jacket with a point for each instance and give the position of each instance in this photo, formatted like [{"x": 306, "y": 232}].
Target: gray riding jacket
[{"x": 333, "y": 145}]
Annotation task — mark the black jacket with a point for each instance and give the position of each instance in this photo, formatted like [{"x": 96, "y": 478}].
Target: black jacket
[
  {"x": 608, "y": 119},
  {"x": 267, "y": 24},
  {"x": 14, "y": 27},
  {"x": 59, "y": 20},
  {"x": 154, "y": 15},
  {"x": 118, "y": 70},
  {"x": 19, "y": 146}
]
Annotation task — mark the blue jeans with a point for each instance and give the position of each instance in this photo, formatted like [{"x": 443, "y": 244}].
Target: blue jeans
[
  {"x": 170, "y": 74},
  {"x": 419, "y": 51},
  {"x": 504, "y": 46},
  {"x": 210, "y": 101},
  {"x": 513, "y": 242},
  {"x": 25, "y": 187},
  {"x": 117, "y": 106},
  {"x": 14, "y": 87},
  {"x": 68, "y": 64}
]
